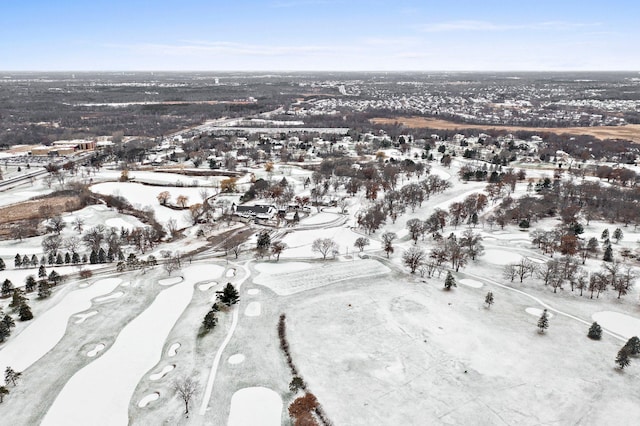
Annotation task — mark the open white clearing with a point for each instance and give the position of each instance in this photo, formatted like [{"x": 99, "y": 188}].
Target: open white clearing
[
  {"x": 83, "y": 317},
  {"x": 253, "y": 309},
  {"x": 125, "y": 284},
  {"x": 112, "y": 378},
  {"x": 231, "y": 273},
  {"x": 471, "y": 283},
  {"x": 148, "y": 399},
  {"x": 205, "y": 287},
  {"x": 236, "y": 359},
  {"x": 162, "y": 373},
  {"x": 115, "y": 295},
  {"x": 624, "y": 325},
  {"x": 537, "y": 312},
  {"x": 170, "y": 281},
  {"x": 118, "y": 222},
  {"x": 534, "y": 260},
  {"x": 501, "y": 257},
  {"x": 47, "y": 329},
  {"x": 93, "y": 352},
  {"x": 253, "y": 291},
  {"x": 173, "y": 350},
  {"x": 255, "y": 406}
]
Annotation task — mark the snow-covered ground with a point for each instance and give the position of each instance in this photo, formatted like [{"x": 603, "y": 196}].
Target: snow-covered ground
[{"x": 257, "y": 406}]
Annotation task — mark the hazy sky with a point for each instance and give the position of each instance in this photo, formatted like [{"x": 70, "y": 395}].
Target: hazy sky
[{"x": 319, "y": 35}]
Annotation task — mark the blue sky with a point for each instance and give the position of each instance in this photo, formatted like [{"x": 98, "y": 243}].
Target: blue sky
[{"x": 319, "y": 35}]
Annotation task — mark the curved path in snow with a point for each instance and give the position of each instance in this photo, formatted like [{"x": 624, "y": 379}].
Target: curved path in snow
[
  {"x": 539, "y": 301},
  {"x": 216, "y": 360}
]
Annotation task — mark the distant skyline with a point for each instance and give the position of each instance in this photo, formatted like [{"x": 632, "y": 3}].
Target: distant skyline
[{"x": 318, "y": 35}]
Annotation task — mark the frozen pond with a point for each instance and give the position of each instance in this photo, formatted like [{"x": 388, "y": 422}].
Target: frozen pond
[
  {"x": 622, "y": 324},
  {"x": 106, "y": 386},
  {"x": 256, "y": 406},
  {"x": 46, "y": 329}
]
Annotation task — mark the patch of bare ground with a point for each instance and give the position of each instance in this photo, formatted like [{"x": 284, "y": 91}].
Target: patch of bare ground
[
  {"x": 629, "y": 132},
  {"x": 28, "y": 214}
]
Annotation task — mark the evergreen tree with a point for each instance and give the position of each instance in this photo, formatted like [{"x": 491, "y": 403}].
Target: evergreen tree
[
  {"x": 3, "y": 391},
  {"x": 210, "y": 320},
  {"x": 110, "y": 255},
  {"x": 75, "y": 258},
  {"x": 11, "y": 376},
  {"x": 449, "y": 281},
  {"x": 2, "y": 265},
  {"x": 8, "y": 322},
  {"x": 618, "y": 235},
  {"x": 67, "y": 258},
  {"x": 30, "y": 283},
  {"x": 4, "y": 332},
  {"x": 17, "y": 300},
  {"x": 93, "y": 257},
  {"x": 54, "y": 278},
  {"x": 84, "y": 258},
  {"x": 42, "y": 272},
  {"x": 43, "y": 260},
  {"x": 120, "y": 255},
  {"x": 605, "y": 235},
  {"x": 263, "y": 243},
  {"x": 489, "y": 299},
  {"x": 623, "y": 358},
  {"x": 608, "y": 254},
  {"x": 7, "y": 288},
  {"x": 25, "y": 261},
  {"x": 24, "y": 313},
  {"x": 229, "y": 295},
  {"x": 59, "y": 259},
  {"x": 34, "y": 261},
  {"x": 44, "y": 289},
  {"x": 543, "y": 322},
  {"x": 51, "y": 259},
  {"x": 102, "y": 256},
  {"x": 633, "y": 345},
  {"x": 17, "y": 261},
  {"x": 595, "y": 331}
]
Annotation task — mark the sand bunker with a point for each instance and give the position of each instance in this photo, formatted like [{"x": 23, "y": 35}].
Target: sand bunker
[
  {"x": 236, "y": 359},
  {"x": 94, "y": 351},
  {"x": 471, "y": 283},
  {"x": 207, "y": 286},
  {"x": 253, "y": 309},
  {"x": 116, "y": 295},
  {"x": 231, "y": 273},
  {"x": 173, "y": 350},
  {"x": 148, "y": 399},
  {"x": 170, "y": 281},
  {"x": 501, "y": 257},
  {"x": 83, "y": 317},
  {"x": 253, "y": 291},
  {"x": 162, "y": 373},
  {"x": 256, "y": 406},
  {"x": 622, "y": 324}
]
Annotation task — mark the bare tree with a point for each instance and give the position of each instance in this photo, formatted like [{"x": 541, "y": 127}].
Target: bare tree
[
  {"x": 387, "y": 242},
  {"x": 324, "y": 246},
  {"x": 163, "y": 197},
  {"x": 78, "y": 225},
  {"x": 186, "y": 388},
  {"x": 277, "y": 247},
  {"x": 182, "y": 201},
  {"x": 413, "y": 258}
]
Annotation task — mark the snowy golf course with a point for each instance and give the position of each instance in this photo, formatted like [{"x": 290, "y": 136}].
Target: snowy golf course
[{"x": 376, "y": 344}]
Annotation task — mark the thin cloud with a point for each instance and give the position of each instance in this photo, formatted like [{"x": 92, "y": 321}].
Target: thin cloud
[
  {"x": 298, "y": 3},
  {"x": 470, "y": 25},
  {"x": 226, "y": 48}
]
